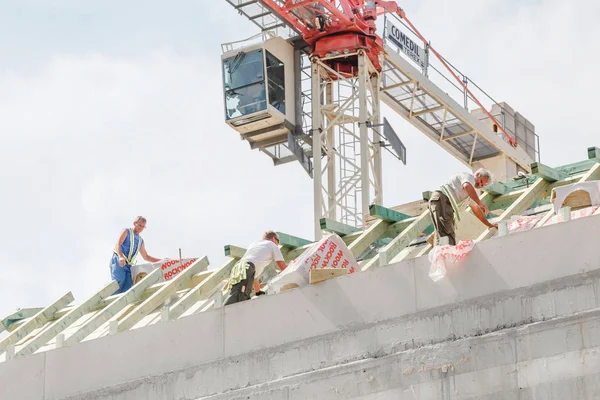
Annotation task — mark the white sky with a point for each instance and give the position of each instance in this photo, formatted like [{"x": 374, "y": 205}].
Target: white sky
[{"x": 113, "y": 109}]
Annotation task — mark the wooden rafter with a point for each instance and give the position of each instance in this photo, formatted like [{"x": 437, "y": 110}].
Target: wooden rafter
[
  {"x": 201, "y": 289},
  {"x": 388, "y": 252},
  {"x": 66, "y": 320},
  {"x": 158, "y": 298},
  {"x": 122, "y": 301},
  {"x": 520, "y": 205},
  {"x": 35, "y": 322}
]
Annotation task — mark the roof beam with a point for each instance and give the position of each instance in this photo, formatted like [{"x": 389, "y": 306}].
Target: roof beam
[
  {"x": 16, "y": 316},
  {"x": 122, "y": 301},
  {"x": 234, "y": 251},
  {"x": 368, "y": 236},
  {"x": 67, "y": 320},
  {"x": 201, "y": 289},
  {"x": 386, "y": 214},
  {"x": 519, "y": 206},
  {"x": 547, "y": 173},
  {"x": 339, "y": 228},
  {"x": 35, "y": 322},
  {"x": 398, "y": 243},
  {"x": 291, "y": 241},
  {"x": 158, "y": 298},
  {"x": 496, "y": 189}
]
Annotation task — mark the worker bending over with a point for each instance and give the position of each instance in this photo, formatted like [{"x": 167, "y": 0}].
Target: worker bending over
[
  {"x": 246, "y": 273},
  {"x": 445, "y": 203},
  {"x": 129, "y": 244}
]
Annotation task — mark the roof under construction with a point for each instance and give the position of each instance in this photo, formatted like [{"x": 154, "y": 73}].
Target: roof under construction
[{"x": 392, "y": 235}]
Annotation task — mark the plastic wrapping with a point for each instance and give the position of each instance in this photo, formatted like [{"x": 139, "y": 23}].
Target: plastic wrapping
[{"x": 442, "y": 257}]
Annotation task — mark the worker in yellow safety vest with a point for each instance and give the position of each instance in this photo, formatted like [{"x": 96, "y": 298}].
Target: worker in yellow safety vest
[
  {"x": 245, "y": 275},
  {"x": 128, "y": 246},
  {"x": 446, "y": 203}
]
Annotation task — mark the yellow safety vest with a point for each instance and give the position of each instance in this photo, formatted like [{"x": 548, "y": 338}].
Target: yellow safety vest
[{"x": 131, "y": 255}]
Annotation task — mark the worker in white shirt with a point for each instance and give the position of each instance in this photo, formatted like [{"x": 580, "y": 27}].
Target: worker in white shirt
[
  {"x": 445, "y": 203},
  {"x": 246, "y": 273}
]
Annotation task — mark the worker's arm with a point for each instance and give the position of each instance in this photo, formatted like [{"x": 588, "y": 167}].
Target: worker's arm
[
  {"x": 118, "y": 247},
  {"x": 281, "y": 264},
  {"x": 480, "y": 216},
  {"x": 147, "y": 256},
  {"x": 473, "y": 195}
]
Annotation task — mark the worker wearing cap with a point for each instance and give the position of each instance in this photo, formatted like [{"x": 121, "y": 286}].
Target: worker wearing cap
[
  {"x": 128, "y": 246},
  {"x": 246, "y": 273},
  {"x": 445, "y": 204}
]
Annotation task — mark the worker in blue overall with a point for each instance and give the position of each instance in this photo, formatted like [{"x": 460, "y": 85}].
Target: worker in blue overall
[{"x": 128, "y": 246}]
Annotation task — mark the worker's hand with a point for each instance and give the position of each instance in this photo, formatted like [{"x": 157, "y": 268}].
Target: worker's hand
[
  {"x": 484, "y": 209},
  {"x": 493, "y": 225},
  {"x": 121, "y": 261}
]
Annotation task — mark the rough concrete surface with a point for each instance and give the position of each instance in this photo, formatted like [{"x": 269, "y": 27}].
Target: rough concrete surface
[{"x": 516, "y": 319}]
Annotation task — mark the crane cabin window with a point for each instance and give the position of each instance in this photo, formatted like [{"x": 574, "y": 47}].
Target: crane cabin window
[
  {"x": 244, "y": 84},
  {"x": 276, "y": 82}
]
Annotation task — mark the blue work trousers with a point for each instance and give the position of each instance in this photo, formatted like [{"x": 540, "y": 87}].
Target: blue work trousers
[{"x": 120, "y": 274}]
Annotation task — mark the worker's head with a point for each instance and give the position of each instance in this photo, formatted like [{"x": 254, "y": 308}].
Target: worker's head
[
  {"x": 483, "y": 178},
  {"x": 139, "y": 224},
  {"x": 271, "y": 236}
]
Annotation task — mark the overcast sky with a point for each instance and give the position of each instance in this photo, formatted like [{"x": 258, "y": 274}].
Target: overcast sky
[{"x": 110, "y": 110}]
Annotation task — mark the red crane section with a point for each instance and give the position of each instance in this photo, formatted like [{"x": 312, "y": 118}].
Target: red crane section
[{"x": 336, "y": 27}]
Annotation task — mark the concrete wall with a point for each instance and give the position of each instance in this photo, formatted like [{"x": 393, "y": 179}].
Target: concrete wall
[{"x": 315, "y": 342}]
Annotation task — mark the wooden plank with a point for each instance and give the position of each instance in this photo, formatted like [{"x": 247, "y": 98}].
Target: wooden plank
[
  {"x": 234, "y": 251},
  {"x": 547, "y": 173},
  {"x": 348, "y": 239},
  {"x": 398, "y": 227},
  {"x": 121, "y": 301},
  {"x": 35, "y": 322},
  {"x": 520, "y": 205},
  {"x": 67, "y": 320},
  {"x": 577, "y": 200},
  {"x": 496, "y": 189},
  {"x": 293, "y": 253},
  {"x": 198, "y": 278},
  {"x": 398, "y": 243},
  {"x": 386, "y": 214},
  {"x": 502, "y": 202},
  {"x": 591, "y": 175},
  {"x": 195, "y": 280},
  {"x": 368, "y": 236},
  {"x": 324, "y": 274},
  {"x": 578, "y": 167},
  {"x": 206, "y": 286},
  {"x": 330, "y": 225},
  {"x": 158, "y": 298},
  {"x": 291, "y": 241},
  {"x": 16, "y": 316}
]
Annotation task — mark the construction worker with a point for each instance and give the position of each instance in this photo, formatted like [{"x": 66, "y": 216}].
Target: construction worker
[
  {"x": 246, "y": 273},
  {"x": 130, "y": 243},
  {"x": 445, "y": 203}
]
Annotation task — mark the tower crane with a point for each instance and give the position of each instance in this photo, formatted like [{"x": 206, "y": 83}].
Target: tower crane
[{"x": 333, "y": 126}]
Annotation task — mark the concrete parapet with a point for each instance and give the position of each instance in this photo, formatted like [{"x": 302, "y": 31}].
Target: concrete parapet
[{"x": 395, "y": 313}]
